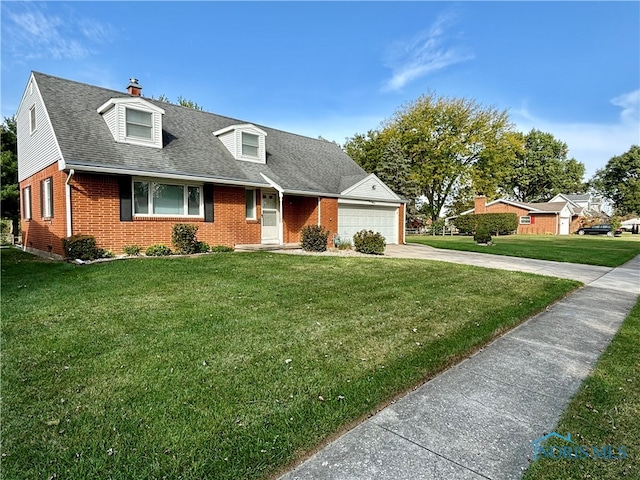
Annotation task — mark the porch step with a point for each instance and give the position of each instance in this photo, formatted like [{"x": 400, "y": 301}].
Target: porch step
[{"x": 266, "y": 248}]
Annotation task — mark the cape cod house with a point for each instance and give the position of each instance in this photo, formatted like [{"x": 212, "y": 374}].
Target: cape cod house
[{"x": 125, "y": 169}]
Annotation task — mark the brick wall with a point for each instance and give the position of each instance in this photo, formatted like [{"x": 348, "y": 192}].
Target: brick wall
[
  {"x": 96, "y": 210},
  {"x": 45, "y": 234},
  {"x": 298, "y": 212},
  {"x": 541, "y": 222},
  {"x": 329, "y": 217}
]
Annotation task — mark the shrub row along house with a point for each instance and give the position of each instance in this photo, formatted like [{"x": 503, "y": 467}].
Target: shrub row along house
[
  {"x": 125, "y": 169},
  {"x": 562, "y": 215}
]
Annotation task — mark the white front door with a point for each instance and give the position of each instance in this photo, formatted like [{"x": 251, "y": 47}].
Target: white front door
[
  {"x": 270, "y": 218},
  {"x": 564, "y": 226}
]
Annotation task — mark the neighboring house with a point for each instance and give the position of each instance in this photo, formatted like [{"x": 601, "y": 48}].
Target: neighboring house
[
  {"x": 126, "y": 168},
  {"x": 557, "y": 218},
  {"x": 591, "y": 206}
]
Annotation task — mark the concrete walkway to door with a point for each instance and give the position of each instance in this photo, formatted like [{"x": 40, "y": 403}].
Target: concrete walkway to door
[{"x": 477, "y": 420}]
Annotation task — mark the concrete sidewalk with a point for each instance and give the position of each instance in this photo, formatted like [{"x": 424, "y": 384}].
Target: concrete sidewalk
[{"x": 477, "y": 420}]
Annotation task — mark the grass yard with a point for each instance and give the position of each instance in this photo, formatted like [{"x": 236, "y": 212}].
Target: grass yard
[
  {"x": 588, "y": 249},
  {"x": 226, "y": 366},
  {"x": 606, "y": 411}
]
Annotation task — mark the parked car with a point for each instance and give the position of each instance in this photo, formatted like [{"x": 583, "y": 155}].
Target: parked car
[{"x": 602, "y": 229}]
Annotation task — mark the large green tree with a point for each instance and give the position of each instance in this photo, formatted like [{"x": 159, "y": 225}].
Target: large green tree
[
  {"x": 442, "y": 138},
  {"x": 619, "y": 181},
  {"x": 9, "y": 189},
  {"x": 541, "y": 170}
]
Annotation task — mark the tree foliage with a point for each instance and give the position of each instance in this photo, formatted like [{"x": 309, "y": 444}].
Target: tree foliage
[
  {"x": 619, "y": 181},
  {"x": 441, "y": 139},
  {"x": 183, "y": 102},
  {"x": 9, "y": 190},
  {"x": 541, "y": 170}
]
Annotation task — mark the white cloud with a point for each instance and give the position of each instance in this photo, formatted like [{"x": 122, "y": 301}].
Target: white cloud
[
  {"x": 30, "y": 33},
  {"x": 426, "y": 53},
  {"x": 591, "y": 143}
]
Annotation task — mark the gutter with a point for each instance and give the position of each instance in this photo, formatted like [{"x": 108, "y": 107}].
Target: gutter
[{"x": 67, "y": 195}]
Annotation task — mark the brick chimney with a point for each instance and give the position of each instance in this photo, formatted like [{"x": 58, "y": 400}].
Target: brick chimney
[
  {"x": 134, "y": 87},
  {"x": 480, "y": 204}
]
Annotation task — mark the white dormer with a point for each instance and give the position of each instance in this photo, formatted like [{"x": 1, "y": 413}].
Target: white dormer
[
  {"x": 133, "y": 120},
  {"x": 245, "y": 142}
]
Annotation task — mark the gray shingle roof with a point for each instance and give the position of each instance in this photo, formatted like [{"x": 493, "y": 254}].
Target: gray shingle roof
[{"x": 294, "y": 162}]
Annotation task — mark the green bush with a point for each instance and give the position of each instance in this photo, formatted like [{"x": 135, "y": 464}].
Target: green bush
[
  {"x": 203, "y": 247},
  {"x": 158, "y": 250},
  {"x": 482, "y": 235},
  {"x": 132, "y": 250},
  {"x": 183, "y": 238},
  {"x": 496, "y": 223},
  {"x": 314, "y": 238},
  {"x": 82, "y": 247},
  {"x": 367, "y": 241},
  {"x": 221, "y": 249}
]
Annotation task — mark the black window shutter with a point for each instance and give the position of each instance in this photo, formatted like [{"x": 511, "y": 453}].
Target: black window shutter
[
  {"x": 207, "y": 191},
  {"x": 126, "y": 198}
]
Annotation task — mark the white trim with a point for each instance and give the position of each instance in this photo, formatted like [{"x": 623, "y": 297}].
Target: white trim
[
  {"x": 371, "y": 203},
  {"x": 27, "y": 213},
  {"x": 273, "y": 184},
  {"x": 242, "y": 126},
  {"x": 172, "y": 176},
  {"x": 46, "y": 190},
  {"x": 366, "y": 179},
  {"x": 33, "y": 123},
  {"x": 141, "y": 102},
  {"x": 520, "y": 222}
]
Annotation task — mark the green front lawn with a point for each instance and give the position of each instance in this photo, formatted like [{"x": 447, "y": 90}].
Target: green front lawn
[
  {"x": 588, "y": 249},
  {"x": 226, "y": 366},
  {"x": 606, "y": 411}
]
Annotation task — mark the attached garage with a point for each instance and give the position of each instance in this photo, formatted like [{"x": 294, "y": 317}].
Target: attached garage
[{"x": 380, "y": 218}]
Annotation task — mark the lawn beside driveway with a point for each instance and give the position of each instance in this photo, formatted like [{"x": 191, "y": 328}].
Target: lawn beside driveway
[
  {"x": 226, "y": 366},
  {"x": 588, "y": 250}
]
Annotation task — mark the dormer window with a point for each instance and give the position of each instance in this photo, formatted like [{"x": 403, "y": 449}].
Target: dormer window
[
  {"x": 133, "y": 120},
  {"x": 245, "y": 142},
  {"x": 139, "y": 124},
  {"x": 250, "y": 145}
]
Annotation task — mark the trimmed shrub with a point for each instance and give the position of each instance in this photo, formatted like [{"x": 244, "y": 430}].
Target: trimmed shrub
[
  {"x": 158, "y": 250},
  {"x": 203, "y": 247},
  {"x": 221, "y": 249},
  {"x": 132, "y": 250},
  {"x": 81, "y": 247},
  {"x": 367, "y": 241},
  {"x": 314, "y": 238},
  {"x": 497, "y": 223},
  {"x": 183, "y": 238},
  {"x": 482, "y": 235}
]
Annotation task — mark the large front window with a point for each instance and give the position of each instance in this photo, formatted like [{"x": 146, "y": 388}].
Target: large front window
[
  {"x": 139, "y": 124},
  {"x": 166, "y": 199}
]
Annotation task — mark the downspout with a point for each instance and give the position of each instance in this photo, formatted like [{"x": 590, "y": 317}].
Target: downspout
[
  {"x": 404, "y": 224},
  {"x": 281, "y": 229},
  {"x": 319, "y": 211},
  {"x": 68, "y": 201}
]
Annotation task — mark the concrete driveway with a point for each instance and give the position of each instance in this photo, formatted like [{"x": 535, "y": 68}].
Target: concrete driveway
[
  {"x": 478, "y": 419},
  {"x": 583, "y": 273}
]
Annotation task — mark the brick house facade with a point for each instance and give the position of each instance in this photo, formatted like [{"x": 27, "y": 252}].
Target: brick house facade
[
  {"x": 555, "y": 218},
  {"x": 126, "y": 169}
]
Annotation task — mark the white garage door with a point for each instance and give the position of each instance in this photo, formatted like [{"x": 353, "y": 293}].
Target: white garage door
[{"x": 353, "y": 218}]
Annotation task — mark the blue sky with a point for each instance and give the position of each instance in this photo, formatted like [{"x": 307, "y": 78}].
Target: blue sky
[{"x": 339, "y": 68}]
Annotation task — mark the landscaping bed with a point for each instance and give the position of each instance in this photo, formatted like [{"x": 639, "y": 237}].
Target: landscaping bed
[{"x": 226, "y": 366}]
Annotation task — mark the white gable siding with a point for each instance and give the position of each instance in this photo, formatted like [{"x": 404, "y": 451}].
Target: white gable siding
[
  {"x": 39, "y": 149},
  {"x": 371, "y": 187},
  {"x": 111, "y": 117},
  {"x": 228, "y": 140}
]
